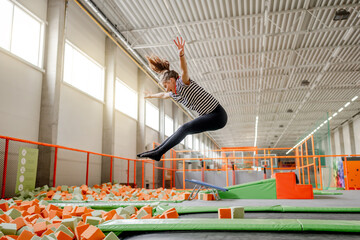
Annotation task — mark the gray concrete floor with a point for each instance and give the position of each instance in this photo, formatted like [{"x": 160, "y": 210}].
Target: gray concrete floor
[{"x": 348, "y": 199}]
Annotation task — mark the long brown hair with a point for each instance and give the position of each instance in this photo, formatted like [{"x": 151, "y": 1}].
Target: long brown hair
[{"x": 162, "y": 66}]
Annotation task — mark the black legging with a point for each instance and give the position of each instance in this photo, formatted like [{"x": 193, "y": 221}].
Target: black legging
[{"x": 208, "y": 122}]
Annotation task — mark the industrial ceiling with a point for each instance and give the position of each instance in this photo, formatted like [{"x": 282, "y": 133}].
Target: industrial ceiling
[{"x": 289, "y": 63}]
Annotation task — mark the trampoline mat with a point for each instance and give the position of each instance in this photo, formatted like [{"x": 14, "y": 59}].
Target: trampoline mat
[
  {"x": 224, "y": 235},
  {"x": 285, "y": 215}
]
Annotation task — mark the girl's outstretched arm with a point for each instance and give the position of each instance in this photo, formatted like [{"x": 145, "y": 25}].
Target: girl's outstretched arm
[
  {"x": 180, "y": 43},
  {"x": 163, "y": 95}
]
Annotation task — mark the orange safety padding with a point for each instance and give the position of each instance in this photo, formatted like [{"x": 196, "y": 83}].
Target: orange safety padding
[
  {"x": 286, "y": 187},
  {"x": 353, "y": 174}
]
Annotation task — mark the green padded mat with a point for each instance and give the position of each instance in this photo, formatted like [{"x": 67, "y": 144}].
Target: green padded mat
[
  {"x": 298, "y": 225},
  {"x": 277, "y": 208},
  {"x": 318, "y": 192},
  {"x": 263, "y": 189}
]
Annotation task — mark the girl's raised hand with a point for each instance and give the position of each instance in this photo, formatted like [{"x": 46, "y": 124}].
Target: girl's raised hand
[{"x": 180, "y": 43}]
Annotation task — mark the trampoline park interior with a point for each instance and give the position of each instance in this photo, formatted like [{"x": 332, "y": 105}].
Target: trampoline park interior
[{"x": 73, "y": 76}]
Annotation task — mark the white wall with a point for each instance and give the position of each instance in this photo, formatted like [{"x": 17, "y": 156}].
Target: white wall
[
  {"x": 356, "y": 126},
  {"x": 80, "y": 126},
  {"x": 37, "y": 7},
  {"x": 85, "y": 34},
  {"x": 80, "y": 115},
  {"x": 20, "y": 101},
  {"x": 337, "y": 142},
  {"x": 20, "y": 98},
  {"x": 346, "y": 137}
]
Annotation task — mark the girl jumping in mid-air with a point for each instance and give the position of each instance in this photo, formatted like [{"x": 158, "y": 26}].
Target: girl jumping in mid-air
[{"x": 182, "y": 89}]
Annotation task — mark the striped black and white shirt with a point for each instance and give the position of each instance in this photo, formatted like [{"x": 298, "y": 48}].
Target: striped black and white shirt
[{"x": 194, "y": 97}]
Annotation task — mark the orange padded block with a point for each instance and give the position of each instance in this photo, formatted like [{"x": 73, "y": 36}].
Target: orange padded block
[
  {"x": 224, "y": 213},
  {"x": 304, "y": 191},
  {"x": 286, "y": 187},
  {"x": 26, "y": 235}
]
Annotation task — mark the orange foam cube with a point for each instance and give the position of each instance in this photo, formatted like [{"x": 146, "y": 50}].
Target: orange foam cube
[
  {"x": 93, "y": 233},
  {"x": 148, "y": 209},
  {"x": 63, "y": 236},
  {"x": 25, "y": 235},
  {"x": 81, "y": 227},
  {"x": 20, "y": 222},
  {"x": 224, "y": 212},
  {"x": 47, "y": 232},
  {"x": 6, "y": 218},
  {"x": 4, "y": 206},
  {"x": 40, "y": 228}
]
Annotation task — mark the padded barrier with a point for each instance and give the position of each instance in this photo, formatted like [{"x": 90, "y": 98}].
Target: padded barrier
[
  {"x": 201, "y": 224},
  {"x": 107, "y": 206},
  {"x": 318, "y": 192},
  {"x": 263, "y": 189},
  {"x": 277, "y": 208}
]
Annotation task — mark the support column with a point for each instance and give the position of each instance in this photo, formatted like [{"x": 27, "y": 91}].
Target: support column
[
  {"x": 51, "y": 87},
  {"x": 352, "y": 138},
  {"x": 140, "y": 135},
  {"x": 341, "y": 139},
  {"x": 108, "y": 140},
  {"x": 159, "y": 172}
]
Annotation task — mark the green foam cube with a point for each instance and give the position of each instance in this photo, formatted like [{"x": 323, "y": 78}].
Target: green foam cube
[
  {"x": 125, "y": 216},
  {"x": 24, "y": 228},
  {"x": 237, "y": 212},
  {"x": 43, "y": 202},
  {"x": 141, "y": 213},
  {"x": 13, "y": 213},
  {"x": 130, "y": 210},
  {"x": 56, "y": 197},
  {"x": 94, "y": 220},
  {"x": 64, "y": 188},
  {"x": 96, "y": 213},
  {"x": 70, "y": 222},
  {"x": 35, "y": 238},
  {"x": 8, "y": 228},
  {"x": 111, "y": 236},
  {"x": 65, "y": 230}
]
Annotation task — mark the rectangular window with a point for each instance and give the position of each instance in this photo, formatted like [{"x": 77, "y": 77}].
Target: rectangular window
[
  {"x": 126, "y": 99},
  {"x": 21, "y": 33},
  {"x": 83, "y": 72},
  {"x": 196, "y": 147},
  {"x": 169, "y": 124},
  {"x": 189, "y": 141},
  {"x": 152, "y": 116}
]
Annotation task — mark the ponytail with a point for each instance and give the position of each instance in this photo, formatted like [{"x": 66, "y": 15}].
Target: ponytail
[
  {"x": 162, "y": 67},
  {"x": 157, "y": 64}
]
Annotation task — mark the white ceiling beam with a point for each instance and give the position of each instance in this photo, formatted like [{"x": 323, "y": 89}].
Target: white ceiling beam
[
  {"x": 275, "y": 68},
  {"x": 285, "y": 51},
  {"x": 241, "y": 38},
  {"x": 275, "y": 90},
  {"x": 296, "y": 102},
  {"x": 184, "y": 24}
]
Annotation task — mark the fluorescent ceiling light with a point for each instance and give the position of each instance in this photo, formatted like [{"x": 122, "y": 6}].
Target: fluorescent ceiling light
[
  {"x": 354, "y": 98},
  {"x": 336, "y": 52},
  {"x": 341, "y": 109},
  {"x": 326, "y": 67},
  {"x": 348, "y": 33}
]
